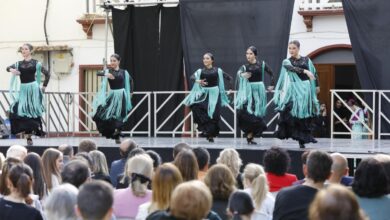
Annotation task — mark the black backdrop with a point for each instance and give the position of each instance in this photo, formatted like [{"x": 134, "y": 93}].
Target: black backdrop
[{"x": 227, "y": 27}]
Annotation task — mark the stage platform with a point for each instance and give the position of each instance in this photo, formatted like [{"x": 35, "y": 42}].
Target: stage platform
[{"x": 353, "y": 149}]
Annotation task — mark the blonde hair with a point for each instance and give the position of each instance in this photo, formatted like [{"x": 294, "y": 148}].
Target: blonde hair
[
  {"x": 140, "y": 164},
  {"x": 191, "y": 200},
  {"x": 99, "y": 162},
  {"x": 255, "y": 175},
  {"x": 49, "y": 159},
  {"x": 231, "y": 159}
]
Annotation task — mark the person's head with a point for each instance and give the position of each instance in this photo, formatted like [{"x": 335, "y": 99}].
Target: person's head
[
  {"x": 20, "y": 180},
  {"x": 16, "y": 151},
  {"x": 191, "y": 201},
  {"x": 220, "y": 181},
  {"x": 115, "y": 60},
  {"x": 86, "y": 145},
  {"x": 318, "y": 165},
  {"x": 335, "y": 202},
  {"x": 304, "y": 161},
  {"x": 180, "y": 147},
  {"x": 370, "y": 179},
  {"x": 251, "y": 54},
  {"x": 240, "y": 204},
  {"x": 66, "y": 150},
  {"x": 165, "y": 179},
  {"x": 339, "y": 167},
  {"x": 255, "y": 178},
  {"x": 60, "y": 203},
  {"x": 52, "y": 165},
  {"x": 351, "y": 102},
  {"x": 231, "y": 159},
  {"x": 293, "y": 48},
  {"x": 338, "y": 103},
  {"x": 99, "y": 162},
  {"x": 136, "y": 151},
  {"x": 208, "y": 59},
  {"x": 126, "y": 146},
  {"x": 140, "y": 171},
  {"x": 101, "y": 193},
  {"x": 186, "y": 162},
  {"x": 26, "y": 49},
  {"x": 155, "y": 157},
  {"x": 76, "y": 172},
  {"x": 384, "y": 159},
  {"x": 202, "y": 157},
  {"x": 276, "y": 161},
  {"x": 84, "y": 156},
  {"x": 35, "y": 162},
  {"x": 8, "y": 164}
]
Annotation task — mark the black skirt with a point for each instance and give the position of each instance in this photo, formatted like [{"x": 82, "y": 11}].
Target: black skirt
[
  {"x": 24, "y": 124},
  {"x": 208, "y": 126},
  {"x": 250, "y": 123}
]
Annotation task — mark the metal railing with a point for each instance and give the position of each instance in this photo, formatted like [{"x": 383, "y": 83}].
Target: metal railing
[
  {"x": 383, "y": 118},
  {"x": 310, "y": 5}
]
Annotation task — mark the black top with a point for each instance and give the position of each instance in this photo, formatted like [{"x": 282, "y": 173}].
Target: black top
[
  {"x": 292, "y": 203},
  {"x": 256, "y": 70},
  {"x": 211, "y": 77},
  {"x": 27, "y": 71},
  {"x": 18, "y": 211},
  {"x": 298, "y": 66},
  {"x": 165, "y": 215},
  {"x": 219, "y": 206},
  {"x": 101, "y": 176}
]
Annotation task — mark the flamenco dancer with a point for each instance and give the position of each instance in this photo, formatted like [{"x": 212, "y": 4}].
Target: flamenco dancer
[
  {"x": 111, "y": 110},
  {"x": 27, "y": 97},
  {"x": 207, "y": 96},
  {"x": 251, "y": 95},
  {"x": 296, "y": 97}
]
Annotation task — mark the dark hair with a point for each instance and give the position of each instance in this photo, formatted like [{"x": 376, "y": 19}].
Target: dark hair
[
  {"x": 76, "y": 172},
  {"x": 7, "y": 165},
  {"x": 136, "y": 151},
  {"x": 276, "y": 160},
  {"x": 129, "y": 146},
  {"x": 210, "y": 55},
  {"x": 319, "y": 164},
  {"x": 155, "y": 157},
  {"x": 186, "y": 162},
  {"x": 21, "y": 177},
  {"x": 370, "y": 179},
  {"x": 95, "y": 199},
  {"x": 30, "y": 47},
  {"x": 202, "y": 156},
  {"x": 116, "y": 56},
  {"x": 253, "y": 49},
  {"x": 221, "y": 182},
  {"x": 84, "y": 156},
  {"x": 240, "y": 203},
  {"x": 66, "y": 149},
  {"x": 304, "y": 156},
  {"x": 179, "y": 147},
  {"x": 86, "y": 145},
  {"x": 296, "y": 43},
  {"x": 35, "y": 162}
]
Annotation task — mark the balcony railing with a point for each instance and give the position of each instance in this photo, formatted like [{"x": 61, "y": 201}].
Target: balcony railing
[{"x": 309, "y": 5}]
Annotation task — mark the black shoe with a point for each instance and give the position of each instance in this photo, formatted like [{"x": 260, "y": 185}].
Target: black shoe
[
  {"x": 29, "y": 141},
  {"x": 313, "y": 141},
  {"x": 117, "y": 140},
  {"x": 210, "y": 139},
  {"x": 250, "y": 141},
  {"x": 301, "y": 145}
]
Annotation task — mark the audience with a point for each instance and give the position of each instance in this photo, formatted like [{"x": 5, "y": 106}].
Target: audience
[
  {"x": 180, "y": 147},
  {"x": 76, "y": 172},
  {"x": 186, "y": 162},
  {"x": 16, "y": 151},
  {"x": 60, "y": 204},
  {"x": 203, "y": 159},
  {"x": 8, "y": 164},
  {"x": 67, "y": 152},
  {"x": 304, "y": 160},
  {"x": 384, "y": 159},
  {"x": 232, "y": 160},
  {"x": 84, "y": 156},
  {"x": 241, "y": 207},
  {"x": 123, "y": 179},
  {"x": 118, "y": 166},
  {"x": 35, "y": 162},
  {"x": 99, "y": 166},
  {"x": 86, "y": 146},
  {"x": 52, "y": 165},
  {"x": 155, "y": 157},
  {"x": 339, "y": 168}
]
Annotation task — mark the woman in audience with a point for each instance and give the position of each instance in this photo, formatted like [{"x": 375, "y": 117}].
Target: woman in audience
[
  {"x": 16, "y": 204},
  {"x": 99, "y": 166},
  {"x": 256, "y": 185},
  {"x": 35, "y": 162},
  {"x": 221, "y": 183},
  {"x": 127, "y": 201},
  {"x": 166, "y": 178},
  {"x": 8, "y": 163},
  {"x": 276, "y": 163},
  {"x": 336, "y": 202},
  {"x": 155, "y": 157},
  {"x": 60, "y": 204},
  {"x": 232, "y": 160},
  {"x": 371, "y": 186},
  {"x": 124, "y": 179},
  {"x": 241, "y": 207},
  {"x": 52, "y": 165},
  {"x": 186, "y": 162}
]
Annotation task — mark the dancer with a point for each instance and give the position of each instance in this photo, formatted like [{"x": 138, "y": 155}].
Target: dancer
[
  {"x": 207, "y": 96},
  {"x": 27, "y": 98},
  {"x": 251, "y": 95},
  {"x": 111, "y": 111},
  {"x": 356, "y": 120},
  {"x": 295, "y": 97}
]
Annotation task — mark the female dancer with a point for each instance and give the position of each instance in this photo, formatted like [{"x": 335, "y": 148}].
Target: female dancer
[
  {"x": 295, "y": 97},
  {"x": 356, "y": 120},
  {"x": 111, "y": 111},
  {"x": 206, "y": 97},
  {"x": 27, "y": 98},
  {"x": 251, "y": 95}
]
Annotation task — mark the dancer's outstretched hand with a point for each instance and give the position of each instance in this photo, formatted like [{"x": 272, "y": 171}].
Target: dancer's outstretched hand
[
  {"x": 246, "y": 75},
  {"x": 15, "y": 72}
]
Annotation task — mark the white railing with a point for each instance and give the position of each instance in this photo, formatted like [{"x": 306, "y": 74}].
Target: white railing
[
  {"x": 307, "y": 5},
  {"x": 383, "y": 118}
]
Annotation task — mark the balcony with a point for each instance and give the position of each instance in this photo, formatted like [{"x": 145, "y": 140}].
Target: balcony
[{"x": 311, "y": 8}]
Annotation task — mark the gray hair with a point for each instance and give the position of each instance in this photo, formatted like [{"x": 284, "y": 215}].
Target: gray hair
[{"x": 61, "y": 202}]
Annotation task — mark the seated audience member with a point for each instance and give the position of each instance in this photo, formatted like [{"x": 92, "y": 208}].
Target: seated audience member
[
  {"x": 8, "y": 164},
  {"x": 276, "y": 163},
  {"x": 16, "y": 151},
  {"x": 336, "y": 202},
  {"x": 67, "y": 152},
  {"x": 186, "y": 162},
  {"x": 232, "y": 160},
  {"x": 293, "y": 202},
  {"x": 84, "y": 156},
  {"x": 99, "y": 166},
  {"x": 155, "y": 157},
  {"x": 52, "y": 161},
  {"x": 123, "y": 179},
  {"x": 203, "y": 159},
  {"x": 179, "y": 148},
  {"x": 384, "y": 159},
  {"x": 304, "y": 160},
  {"x": 128, "y": 200},
  {"x": 86, "y": 146},
  {"x": 339, "y": 168},
  {"x": 59, "y": 205},
  {"x": 34, "y": 161},
  {"x": 372, "y": 187},
  {"x": 16, "y": 204},
  {"x": 221, "y": 183},
  {"x": 76, "y": 172},
  {"x": 100, "y": 193},
  {"x": 241, "y": 207},
  {"x": 118, "y": 166}
]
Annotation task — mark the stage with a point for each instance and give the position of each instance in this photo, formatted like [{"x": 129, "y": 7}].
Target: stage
[{"x": 353, "y": 149}]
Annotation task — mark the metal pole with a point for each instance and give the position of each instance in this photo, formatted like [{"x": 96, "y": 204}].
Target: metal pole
[
  {"x": 331, "y": 113},
  {"x": 379, "y": 115}
]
